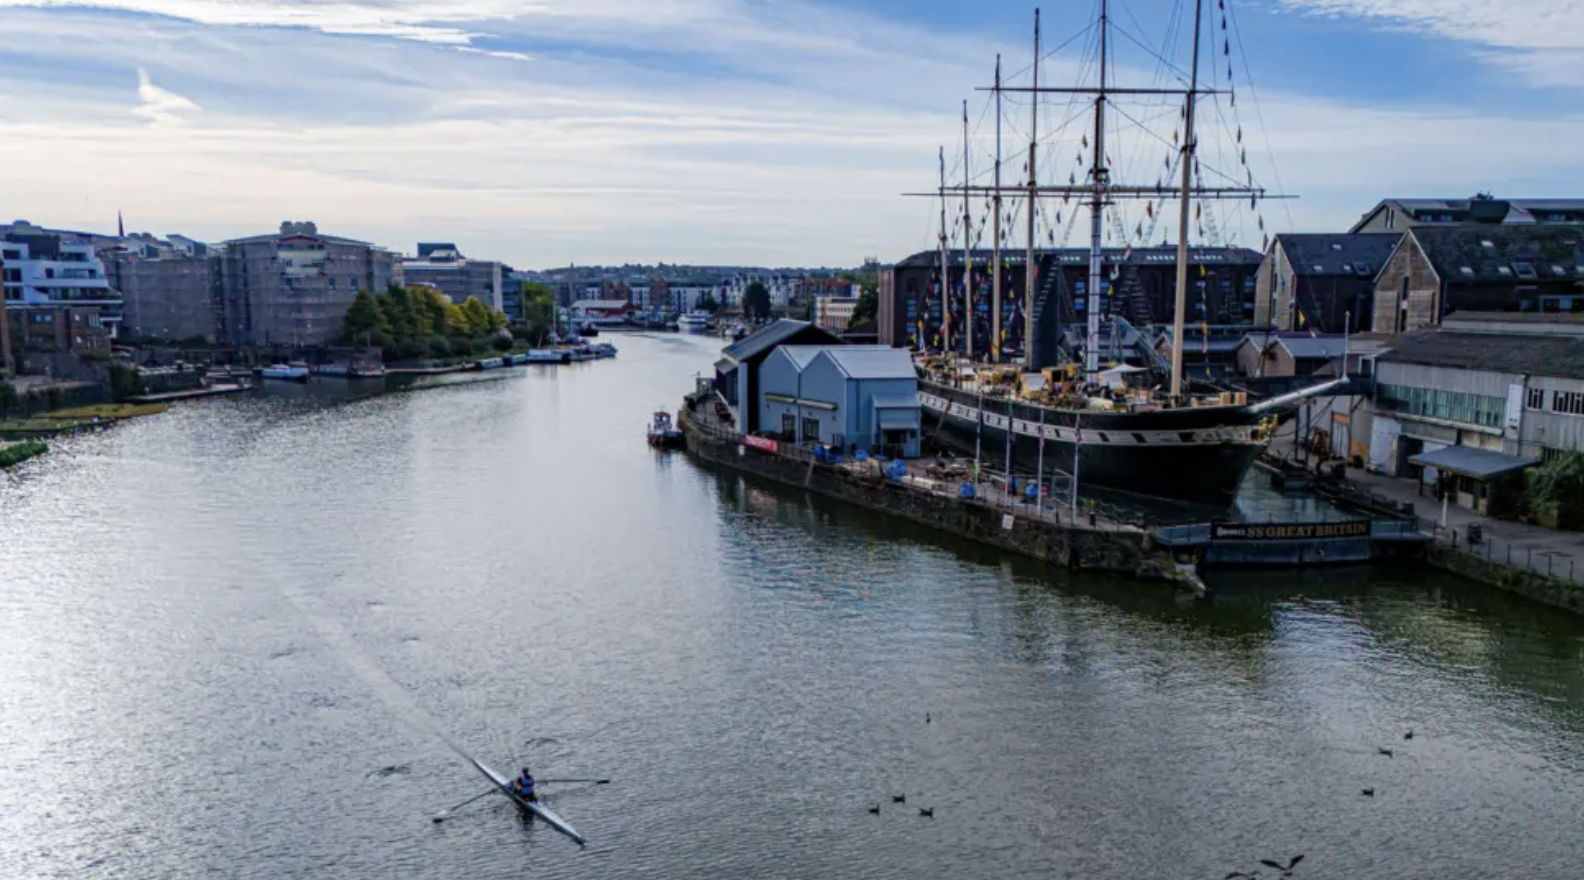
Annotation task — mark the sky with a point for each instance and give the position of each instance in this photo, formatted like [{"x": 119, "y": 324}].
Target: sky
[{"x": 758, "y": 132}]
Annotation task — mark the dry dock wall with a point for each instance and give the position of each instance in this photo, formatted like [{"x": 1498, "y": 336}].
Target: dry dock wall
[
  {"x": 1123, "y": 550},
  {"x": 1550, "y": 591}
]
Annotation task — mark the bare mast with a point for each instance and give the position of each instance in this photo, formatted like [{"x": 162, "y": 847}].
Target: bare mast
[
  {"x": 1100, "y": 177},
  {"x": 995, "y": 235},
  {"x": 1029, "y": 269},
  {"x": 1189, "y": 147},
  {"x": 968, "y": 293}
]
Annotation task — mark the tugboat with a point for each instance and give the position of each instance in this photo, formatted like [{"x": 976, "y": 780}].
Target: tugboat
[
  {"x": 663, "y": 434},
  {"x": 587, "y": 328}
]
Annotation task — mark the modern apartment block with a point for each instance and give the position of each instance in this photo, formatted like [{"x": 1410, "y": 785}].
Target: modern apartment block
[
  {"x": 442, "y": 266},
  {"x": 47, "y": 269},
  {"x": 293, "y": 287}
]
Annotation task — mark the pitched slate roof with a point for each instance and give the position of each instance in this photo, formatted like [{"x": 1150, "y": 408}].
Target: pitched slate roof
[
  {"x": 872, "y": 362},
  {"x": 1556, "y": 356},
  {"x": 1349, "y": 255},
  {"x": 765, "y": 338},
  {"x": 1504, "y": 254}
]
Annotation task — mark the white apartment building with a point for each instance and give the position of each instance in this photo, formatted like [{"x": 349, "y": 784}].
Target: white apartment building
[{"x": 49, "y": 269}]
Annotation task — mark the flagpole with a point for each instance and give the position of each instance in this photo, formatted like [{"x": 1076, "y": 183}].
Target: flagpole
[
  {"x": 1039, "y": 475},
  {"x": 1077, "y": 459}
]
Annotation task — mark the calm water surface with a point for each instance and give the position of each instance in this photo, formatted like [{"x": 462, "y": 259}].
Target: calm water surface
[{"x": 238, "y": 640}]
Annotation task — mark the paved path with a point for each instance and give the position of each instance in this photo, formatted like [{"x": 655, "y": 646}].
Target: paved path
[{"x": 1535, "y": 547}]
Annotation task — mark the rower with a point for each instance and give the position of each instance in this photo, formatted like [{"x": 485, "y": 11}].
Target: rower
[{"x": 525, "y": 785}]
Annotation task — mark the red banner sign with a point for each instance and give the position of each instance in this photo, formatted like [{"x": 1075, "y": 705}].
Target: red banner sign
[{"x": 761, "y": 443}]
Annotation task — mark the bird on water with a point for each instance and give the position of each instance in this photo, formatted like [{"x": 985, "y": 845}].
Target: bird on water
[
  {"x": 1287, "y": 869},
  {"x": 928, "y": 814},
  {"x": 1368, "y": 792},
  {"x": 1408, "y": 735},
  {"x": 875, "y": 810},
  {"x": 1386, "y": 752},
  {"x": 899, "y": 799}
]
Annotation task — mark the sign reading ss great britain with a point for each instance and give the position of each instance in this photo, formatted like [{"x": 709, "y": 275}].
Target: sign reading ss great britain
[{"x": 1290, "y": 531}]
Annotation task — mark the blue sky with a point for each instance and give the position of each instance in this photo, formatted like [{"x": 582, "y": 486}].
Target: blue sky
[{"x": 544, "y": 132}]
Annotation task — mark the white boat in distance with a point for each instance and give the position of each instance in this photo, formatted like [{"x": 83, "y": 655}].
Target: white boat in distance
[
  {"x": 292, "y": 372},
  {"x": 693, "y": 322}
]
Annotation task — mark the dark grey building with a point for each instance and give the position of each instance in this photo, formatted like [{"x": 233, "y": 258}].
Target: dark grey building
[
  {"x": 169, "y": 288},
  {"x": 1434, "y": 272},
  {"x": 1140, "y": 285},
  {"x": 442, "y": 266},
  {"x": 1325, "y": 282},
  {"x": 293, "y": 287},
  {"x": 1401, "y": 215}
]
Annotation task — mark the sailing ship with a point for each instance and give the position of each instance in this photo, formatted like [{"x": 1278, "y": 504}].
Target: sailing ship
[{"x": 1182, "y": 445}]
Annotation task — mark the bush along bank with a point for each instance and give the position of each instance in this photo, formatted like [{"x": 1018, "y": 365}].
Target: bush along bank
[{"x": 17, "y": 453}]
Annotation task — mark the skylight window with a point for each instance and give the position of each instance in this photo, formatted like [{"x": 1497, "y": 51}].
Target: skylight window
[
  {"x": 1559, "y": 270},
  {"x": 1487, "y": 243},
  {"x": 1466, "y": 270},
  {"x": 1348, "y": 268},
  {"x": 1525, "y": 270},
  {"x": 1505, "y": 270},
  {"x": 1336, "y": 247}
]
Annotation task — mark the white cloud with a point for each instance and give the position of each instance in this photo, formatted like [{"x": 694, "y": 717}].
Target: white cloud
[
  {"x": 1543, "y": 39},
  {"x": 159, "y": 106},
  {"x": 785, "y": 133}
]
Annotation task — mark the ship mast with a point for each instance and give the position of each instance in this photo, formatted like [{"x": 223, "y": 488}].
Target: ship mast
[
  {"x": 995, "y": 235},
  {"x": 1099, "y": 176},
  {"x": 1029, "y": 270},
  {"x": 945, "y": 277},
  {"x": 1188, "y": 150},
  {"x": 968, "y": 293}
]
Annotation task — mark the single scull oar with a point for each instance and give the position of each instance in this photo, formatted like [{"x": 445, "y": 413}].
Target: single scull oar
[{"x": 534, "y": 807}]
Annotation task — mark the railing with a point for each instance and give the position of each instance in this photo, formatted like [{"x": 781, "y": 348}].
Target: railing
[
  {"x": 1555, "y": 564},
  {"x": 987, "y": 494}
]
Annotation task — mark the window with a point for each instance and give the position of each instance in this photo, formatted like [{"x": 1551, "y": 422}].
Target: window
[
  {"x": 1450, "y": 406},
  {"x": 1568, "y": 403},
  {"x": 1319, "y": 269},
  {"x": 1402, "y": 307},
  {"x": 1525, "y": 270},
  {"x": 1487, "y": 243},
  {"x": 1391, "y": 218},
  {"x": 811, "y": 432},
  {"x": 1347, "y": 268},
  {"x": 1363, "y": 269},
  {"x": 1467, "y": 272},
  {"x": 788, "y": 424},
  {"x": 1559, "y": 270},
  {"x": 1336, "y": 247},
  {"x": 1534, "y": 398}
]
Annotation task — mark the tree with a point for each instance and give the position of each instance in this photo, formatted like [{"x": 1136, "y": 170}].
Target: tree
[
  {"x": 477, "y": 319},
  {"x": 707, "y": 303},
  {"x": 8, "y": 397},
  {"x": 1557, "y": 488},
  {"x": 756, "y": 300},
  {"x": 868, "y": 307},
  {"x": 364, "y": 320}
]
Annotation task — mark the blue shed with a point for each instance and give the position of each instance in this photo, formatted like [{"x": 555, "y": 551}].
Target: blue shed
[
  {"x": 737, "y": 372},
  {"x": 847, "y": 396}
]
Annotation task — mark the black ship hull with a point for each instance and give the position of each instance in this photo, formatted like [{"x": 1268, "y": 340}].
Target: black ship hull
[{"x": 1195, "y": 455}]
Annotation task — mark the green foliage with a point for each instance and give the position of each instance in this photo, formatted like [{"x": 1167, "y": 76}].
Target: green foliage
[
  {"x": 419, "y": 322},
  {"x": 1558, "y": 486},
  {"x": 707, "y": 303},
  {"x": 365, "y": 320},
  {"x": 9, "y": 399},
  {"x": 868, "y": 307},
  {"x": 17, "y": 453},
  {"x": 502, "y": 343},
  {"x": 124, "y": 382},
  {"x": 756, "y": 300}
]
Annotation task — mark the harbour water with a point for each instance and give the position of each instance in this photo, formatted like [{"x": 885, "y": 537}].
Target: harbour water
[{"x": 241, "y": 639}]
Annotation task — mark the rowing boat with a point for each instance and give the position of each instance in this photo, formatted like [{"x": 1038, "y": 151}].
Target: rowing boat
[{"x": 534, "y": 807}]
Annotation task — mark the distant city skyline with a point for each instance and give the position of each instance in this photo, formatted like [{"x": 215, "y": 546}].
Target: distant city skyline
[{"x": 710, "y": 132}]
